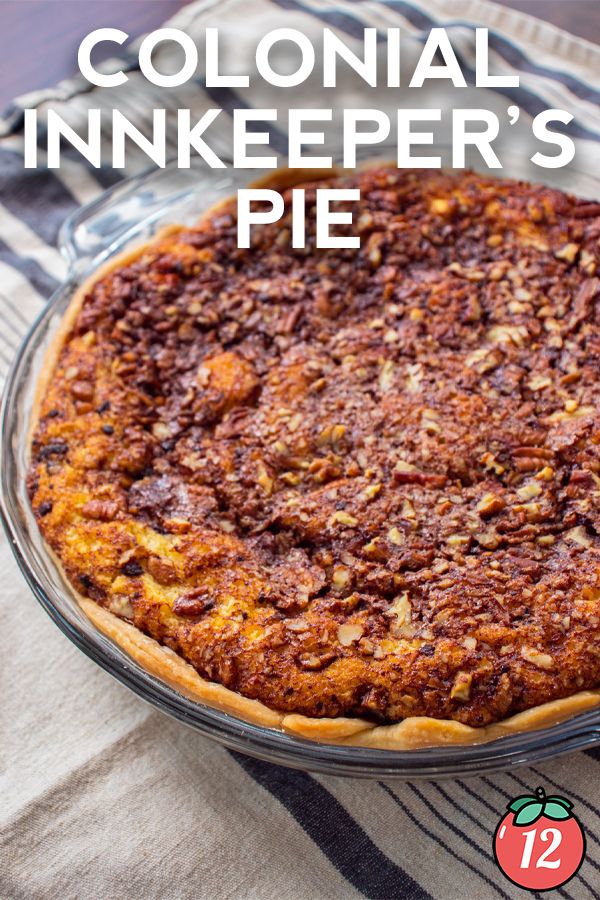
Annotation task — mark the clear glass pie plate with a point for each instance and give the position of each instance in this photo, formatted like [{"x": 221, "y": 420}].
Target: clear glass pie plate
[{"x": 127, "y": 214}]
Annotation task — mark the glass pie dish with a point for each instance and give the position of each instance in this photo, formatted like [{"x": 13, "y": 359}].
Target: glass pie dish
[{"x": 130, "y": 214}]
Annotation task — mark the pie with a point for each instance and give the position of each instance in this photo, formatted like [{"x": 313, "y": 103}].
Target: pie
[{"x": 351, "y": 494}]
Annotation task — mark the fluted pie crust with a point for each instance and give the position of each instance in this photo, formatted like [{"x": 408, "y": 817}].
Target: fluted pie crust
[{"x": 410, "y": 733}]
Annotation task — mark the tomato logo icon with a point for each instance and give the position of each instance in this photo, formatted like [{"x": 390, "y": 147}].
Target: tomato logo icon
[{"x": 539, "y": 844}]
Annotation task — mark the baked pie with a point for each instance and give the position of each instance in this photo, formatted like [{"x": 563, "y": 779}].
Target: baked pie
[{"x": 352, "y": 494}]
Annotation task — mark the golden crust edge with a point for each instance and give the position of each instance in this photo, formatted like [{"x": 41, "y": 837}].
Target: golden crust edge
[
  {"x": 413, "y": 733},
  {"x": 173, "y": 669}
]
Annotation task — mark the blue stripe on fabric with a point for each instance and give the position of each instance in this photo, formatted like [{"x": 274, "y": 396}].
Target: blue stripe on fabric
[
  {"x": 35, "y": 196},
  {"x": 44, "y": 283},
  {"x": 339, "y": 836},
  {"x": 503, "y": 47},
  {"x": 487, "y": 831},
  {"x": 523, "y": 97},
  {"x": 440, "y": 841},
  {"x": 594, "y": 753}
]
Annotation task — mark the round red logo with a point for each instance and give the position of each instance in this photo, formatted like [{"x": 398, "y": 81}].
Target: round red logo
[{"x": 539, "y": 844}]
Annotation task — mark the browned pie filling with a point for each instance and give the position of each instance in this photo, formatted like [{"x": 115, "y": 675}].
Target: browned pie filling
[{"x": 346, "y": 482}]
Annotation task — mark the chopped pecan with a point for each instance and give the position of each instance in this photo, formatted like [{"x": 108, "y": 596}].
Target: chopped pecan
[
  {"x": 103, "y": 510},
  {"x": 193, "y": 603},
  {"x": 313, "y": 662},
  {"x": 162, "y": 569},
  {"x": 82, "y": 390}
]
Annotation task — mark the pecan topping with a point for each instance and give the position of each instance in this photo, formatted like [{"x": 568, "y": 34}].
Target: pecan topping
[
  {"x": 194, "y": 603},
  {"x": 379, "y": 468},
  {"x": 103, "y": 510}
]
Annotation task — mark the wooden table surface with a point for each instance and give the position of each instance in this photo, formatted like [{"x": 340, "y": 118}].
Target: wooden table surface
[{"x": 39, "y": 38}]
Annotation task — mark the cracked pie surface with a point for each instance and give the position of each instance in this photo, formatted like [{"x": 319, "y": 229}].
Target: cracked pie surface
[{"x": 352, "y": 485}]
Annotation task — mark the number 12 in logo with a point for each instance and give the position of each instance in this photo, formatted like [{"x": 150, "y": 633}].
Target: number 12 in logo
[{"x": 539, "y": 844}]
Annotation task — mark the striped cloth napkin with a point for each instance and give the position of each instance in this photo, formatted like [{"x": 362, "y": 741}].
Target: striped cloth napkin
[{"x": 103, "y": 796}]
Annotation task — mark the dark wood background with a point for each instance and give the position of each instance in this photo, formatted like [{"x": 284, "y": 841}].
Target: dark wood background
[{"x": 39, "y": 38}]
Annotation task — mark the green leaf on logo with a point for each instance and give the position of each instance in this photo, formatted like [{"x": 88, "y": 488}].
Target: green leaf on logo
[
  {"x": 562, "y": 800},
  {"x": 556, "y": 810},
  {"x": 529, "y": 812},
  {"x": 519, "y": 802}
]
